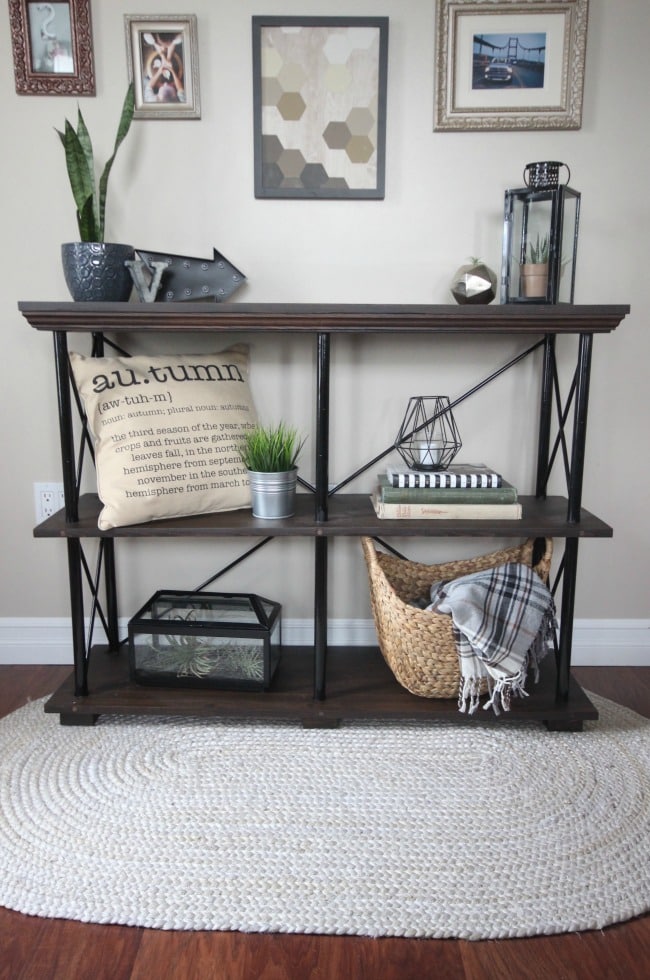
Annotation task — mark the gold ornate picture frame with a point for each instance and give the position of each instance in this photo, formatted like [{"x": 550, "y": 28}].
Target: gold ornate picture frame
[
  {"x": 52, "y": 47},
  {"x": 510, "y": 65}
]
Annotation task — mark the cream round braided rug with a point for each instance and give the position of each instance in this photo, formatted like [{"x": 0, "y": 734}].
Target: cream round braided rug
[{"x": 382, "y": 830}]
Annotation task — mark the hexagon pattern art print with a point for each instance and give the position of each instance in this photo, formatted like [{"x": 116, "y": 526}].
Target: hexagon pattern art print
[{"x": 320, "y": 106}]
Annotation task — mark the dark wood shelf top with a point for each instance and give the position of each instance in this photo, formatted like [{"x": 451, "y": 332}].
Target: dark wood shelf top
[
  {"x": 349, "y": 515},
  {"x": 324, "y": 317},
  {"x": 360, "y": 685}
]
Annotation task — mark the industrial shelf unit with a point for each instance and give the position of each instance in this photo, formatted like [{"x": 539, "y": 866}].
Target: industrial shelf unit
[{"x": 315, "y": 685}]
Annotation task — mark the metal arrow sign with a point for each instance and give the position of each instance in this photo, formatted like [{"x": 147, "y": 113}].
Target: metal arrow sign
[{"x": 190, "y": 278}]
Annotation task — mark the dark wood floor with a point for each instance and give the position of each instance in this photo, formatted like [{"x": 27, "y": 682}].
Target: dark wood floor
[{"x": 44, "y": 949}]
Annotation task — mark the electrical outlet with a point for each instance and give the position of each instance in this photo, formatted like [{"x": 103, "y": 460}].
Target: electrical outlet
[{"x": 48, "y": 498}]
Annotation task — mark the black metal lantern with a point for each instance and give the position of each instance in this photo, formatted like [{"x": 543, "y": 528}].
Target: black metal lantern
[
  {"x": 428, "y": 438},
  {"x": 540, "y": 237}
]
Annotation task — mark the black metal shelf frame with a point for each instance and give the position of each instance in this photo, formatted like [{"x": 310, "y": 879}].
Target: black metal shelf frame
[{"x": 571, "y": 453}]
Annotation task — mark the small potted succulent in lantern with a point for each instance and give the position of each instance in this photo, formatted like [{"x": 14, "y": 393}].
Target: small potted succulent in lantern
[
  {"x": 269, "y": 454},
  {"x": 534, "y": 272}
]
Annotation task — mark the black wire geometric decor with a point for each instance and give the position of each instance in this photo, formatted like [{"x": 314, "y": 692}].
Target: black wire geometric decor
[{"x": 428, "y": 438}]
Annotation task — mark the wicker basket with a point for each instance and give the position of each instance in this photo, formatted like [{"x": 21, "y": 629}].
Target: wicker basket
[{"x": 418, "y": 645}]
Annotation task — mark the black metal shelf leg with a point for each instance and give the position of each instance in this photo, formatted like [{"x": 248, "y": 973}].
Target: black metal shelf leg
[
  {"x": 322, "y": 487},
  {"x": 322, "y": 425},
  {"x": 546, "y": 406},
  {"x": 583, "y": 372},
  {"x": 111, "y": 594},
  {"x": 579, "y": 427},
  {"x": 75, "y": 569},
  {"x": 320, "y": 618},
  {"x": 566, "y": 618},
  {"x": 66, "y": 434},
  {"x": 77, "y": 615}
]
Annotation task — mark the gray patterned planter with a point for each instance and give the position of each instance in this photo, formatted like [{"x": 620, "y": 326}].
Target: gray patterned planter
[{"x": 95, "y": 271}]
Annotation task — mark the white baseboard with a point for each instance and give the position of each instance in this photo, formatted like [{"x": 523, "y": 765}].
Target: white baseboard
[
  {"x": 611, "y": 642},
  {"x": 596, "y": 642}
]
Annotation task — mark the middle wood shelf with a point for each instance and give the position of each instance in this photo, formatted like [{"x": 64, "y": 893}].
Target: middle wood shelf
[{"x": 348, "y": 515}]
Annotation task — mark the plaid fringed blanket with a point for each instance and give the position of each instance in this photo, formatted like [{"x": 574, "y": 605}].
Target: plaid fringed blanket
[{"x": 503, "y": 621}]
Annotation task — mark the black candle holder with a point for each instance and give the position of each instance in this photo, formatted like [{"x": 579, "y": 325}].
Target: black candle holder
[{"x": 428, "y": 438}]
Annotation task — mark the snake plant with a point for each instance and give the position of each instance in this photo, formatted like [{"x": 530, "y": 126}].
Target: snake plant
[{"x": 90, "y": 198}]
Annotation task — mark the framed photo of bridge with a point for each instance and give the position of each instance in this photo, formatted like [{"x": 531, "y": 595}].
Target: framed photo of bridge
[{"x": 511, "y": 65}]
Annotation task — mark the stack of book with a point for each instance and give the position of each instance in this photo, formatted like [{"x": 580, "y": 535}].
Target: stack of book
[{"x": 461, "y": 492}]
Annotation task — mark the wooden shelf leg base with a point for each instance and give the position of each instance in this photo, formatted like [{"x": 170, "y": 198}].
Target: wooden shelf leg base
[
  {"x": 77, "y": 720},
  {"x": 563, "y": 726},
  {"x": 320, "y": 722}
]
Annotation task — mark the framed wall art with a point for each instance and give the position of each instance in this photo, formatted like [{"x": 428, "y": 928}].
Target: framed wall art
[
  {"x": 162, "y": 54},
  {"x": 52, "y": 47},
  {"x": 319, "y": 106},
  {"x": 516, "y": 64}
]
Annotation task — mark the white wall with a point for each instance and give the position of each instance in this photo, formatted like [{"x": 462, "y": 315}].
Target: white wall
[{"x": 185, "y": 186}]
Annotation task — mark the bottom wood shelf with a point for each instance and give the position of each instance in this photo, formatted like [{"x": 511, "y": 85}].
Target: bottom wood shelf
[{"x": 359, "y": 686}]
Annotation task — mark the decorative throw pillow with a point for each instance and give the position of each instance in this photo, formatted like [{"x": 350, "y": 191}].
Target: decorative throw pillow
[{"x": 167, "y": 431}]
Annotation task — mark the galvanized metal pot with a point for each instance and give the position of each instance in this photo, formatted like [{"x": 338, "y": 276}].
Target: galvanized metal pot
[{"x": 273, "y": 495}]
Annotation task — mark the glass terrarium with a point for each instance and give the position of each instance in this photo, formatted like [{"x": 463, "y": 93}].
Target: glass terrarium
[{"x": 220, "y": 640}]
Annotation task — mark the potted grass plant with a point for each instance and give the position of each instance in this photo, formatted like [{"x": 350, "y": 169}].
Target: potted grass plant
[
  {"x": 270, "y": 455},
  {"x": 94, "y": 269},
  {"x": 534, "y": 272}
]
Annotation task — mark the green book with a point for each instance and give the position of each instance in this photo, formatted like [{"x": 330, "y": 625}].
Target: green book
[
  {"x": 446, "y": 511},
  {"x": 389, "y": 494}
]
